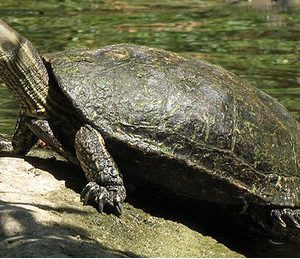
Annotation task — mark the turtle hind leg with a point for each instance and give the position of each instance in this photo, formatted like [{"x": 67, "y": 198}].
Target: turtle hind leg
[
  {"x": 105, "y": 185},
  {"x": 286, "y": 217}
]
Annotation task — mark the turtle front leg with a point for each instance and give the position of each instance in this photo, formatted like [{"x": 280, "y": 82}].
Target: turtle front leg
[
  {"x": 22, "y": 140},
  {"x": 42, "y": 129},
  {"x": 27, "y": 132},
  {"x": 105, "y": 185}
]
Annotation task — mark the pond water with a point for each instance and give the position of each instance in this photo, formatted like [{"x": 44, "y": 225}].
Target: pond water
[{"x": 259, "y": 41}]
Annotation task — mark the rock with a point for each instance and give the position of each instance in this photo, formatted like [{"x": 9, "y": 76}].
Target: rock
[{"x": 41, "y": 216}]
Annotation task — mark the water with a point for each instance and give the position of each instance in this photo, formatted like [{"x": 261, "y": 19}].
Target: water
[{"x": 257, "y": 41}]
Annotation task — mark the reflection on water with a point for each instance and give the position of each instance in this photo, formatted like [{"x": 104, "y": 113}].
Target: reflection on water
[{"x": 258, "y": 40}]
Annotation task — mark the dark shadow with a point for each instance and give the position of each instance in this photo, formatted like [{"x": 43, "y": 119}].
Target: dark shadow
[
  {"x": 34, "y": 239},
  {"x": 236, "y": 232}
]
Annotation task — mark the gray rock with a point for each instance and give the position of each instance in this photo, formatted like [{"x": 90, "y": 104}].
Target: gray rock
[{"x": 42, "y": 217}]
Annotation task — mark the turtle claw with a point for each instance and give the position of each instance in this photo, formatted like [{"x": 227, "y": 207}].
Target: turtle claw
[
  {"x": 276, "y": 215},
  {"x": 293, "y": 220},
  {"x": 103, "y": 196},
  {"x": 90, "y": 192},
  {"x": 286, "y": 217}
]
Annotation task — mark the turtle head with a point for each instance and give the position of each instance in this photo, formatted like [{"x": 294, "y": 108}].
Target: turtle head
[
  {"x": 23, "y": 71},
  {"x": 10, "y": 41}
]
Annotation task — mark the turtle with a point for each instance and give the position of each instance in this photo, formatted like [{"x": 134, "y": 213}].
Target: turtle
[{"x": 161, "y": 119}]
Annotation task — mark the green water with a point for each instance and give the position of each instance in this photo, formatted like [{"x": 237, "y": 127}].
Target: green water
[{"x": 261, "y": 44}]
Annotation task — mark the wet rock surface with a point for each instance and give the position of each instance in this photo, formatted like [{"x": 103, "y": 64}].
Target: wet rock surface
[{"x": 41, "y": 216}]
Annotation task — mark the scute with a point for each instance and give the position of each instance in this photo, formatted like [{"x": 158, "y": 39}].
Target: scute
[{"x": 186, "y": 109}]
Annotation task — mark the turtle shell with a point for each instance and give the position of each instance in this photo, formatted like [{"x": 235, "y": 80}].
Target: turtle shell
[{"x": 188, "y": 125}]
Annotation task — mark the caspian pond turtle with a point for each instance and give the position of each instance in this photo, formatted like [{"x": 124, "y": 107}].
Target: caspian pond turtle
[{"x": 187, "y": 126}]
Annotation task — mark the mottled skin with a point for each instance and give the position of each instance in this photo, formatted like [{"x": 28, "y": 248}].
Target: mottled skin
[{"x": 180, "y": 123}]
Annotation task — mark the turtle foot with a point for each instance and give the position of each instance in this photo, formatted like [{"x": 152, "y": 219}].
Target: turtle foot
[
  {"x": 108, "y": 196},
  {"x": 286, "y": 217}
]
